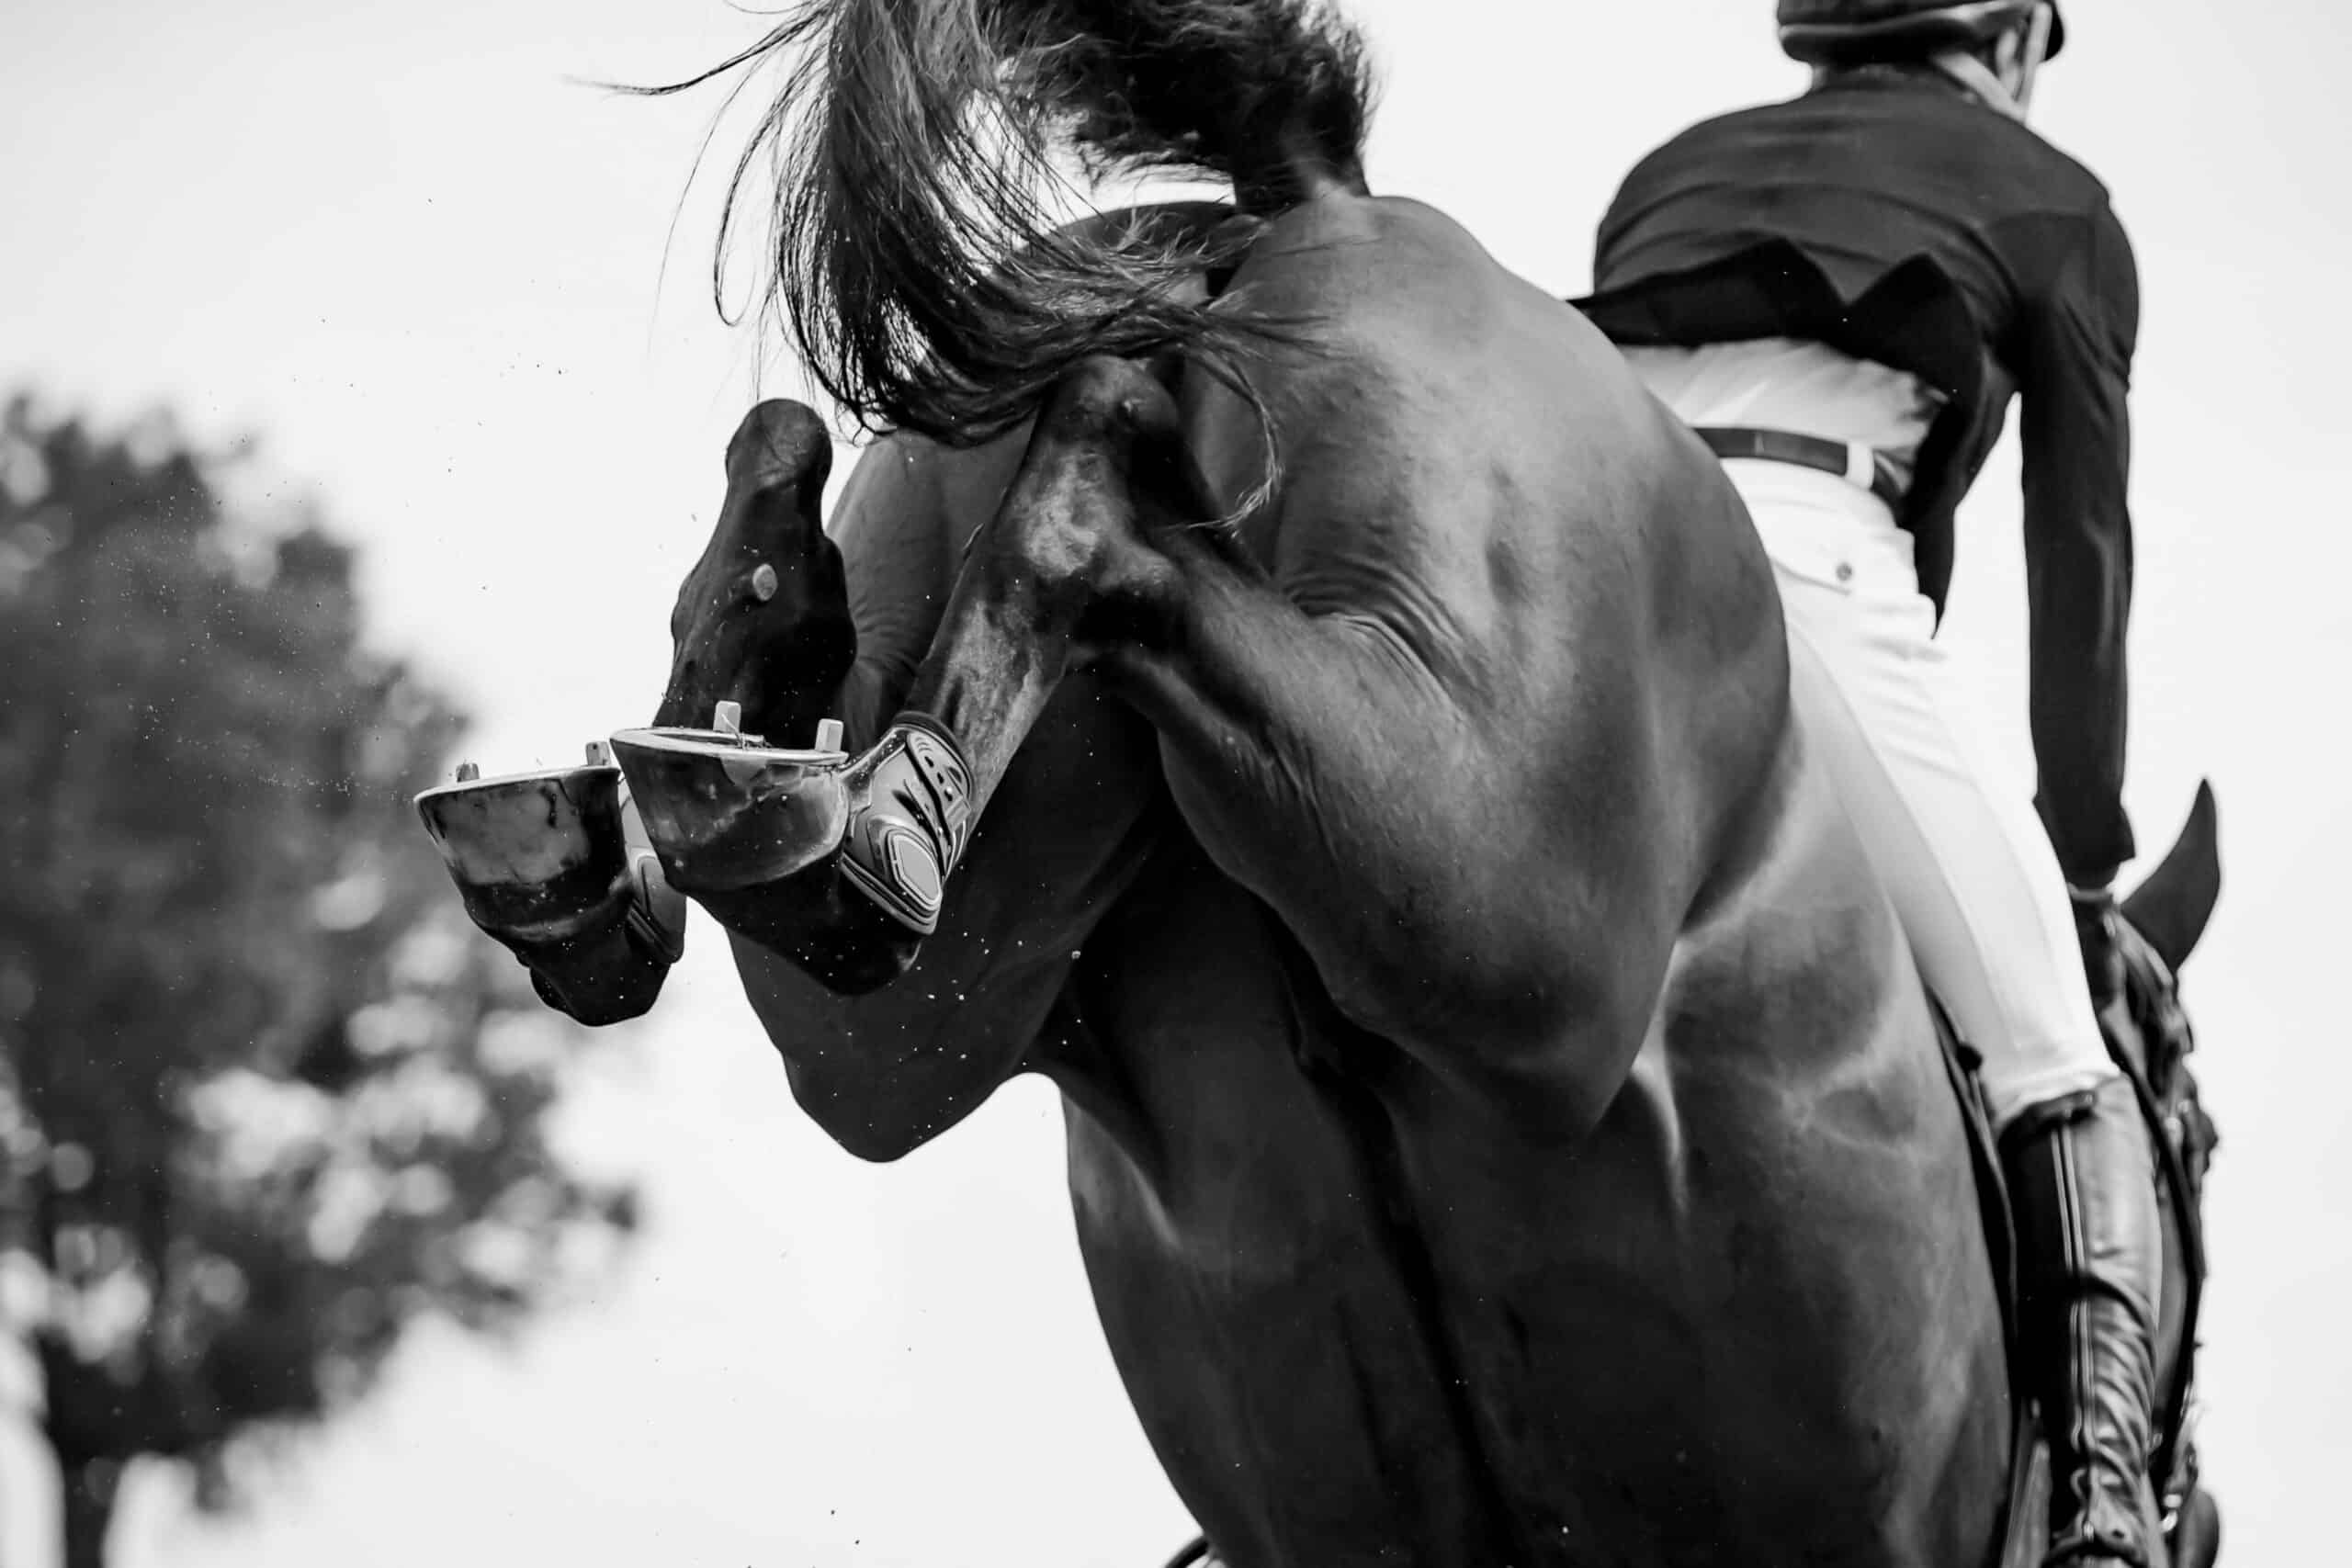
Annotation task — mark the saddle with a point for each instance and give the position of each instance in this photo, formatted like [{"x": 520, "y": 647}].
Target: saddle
[{"x": 2149, "y": 1039}]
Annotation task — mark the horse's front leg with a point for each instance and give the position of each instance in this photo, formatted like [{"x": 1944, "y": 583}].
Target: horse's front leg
[
  {"x": 1062, "y": 566},
  {"x": 764, "y": 621},
  {"x": 1046, "y": 570},
  {"x": 556, "y": 867},
  {"x": 613, "y": 970},
  {"x": 1466, "y": 804}
]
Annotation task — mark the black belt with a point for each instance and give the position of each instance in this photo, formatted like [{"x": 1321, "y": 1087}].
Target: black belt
[{"x": 1809, "y": 452}]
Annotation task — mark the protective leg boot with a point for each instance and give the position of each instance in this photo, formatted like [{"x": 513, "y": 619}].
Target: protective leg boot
[{"x": 2090, "y": 1260}]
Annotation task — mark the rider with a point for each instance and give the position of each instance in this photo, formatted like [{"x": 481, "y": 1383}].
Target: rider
[{"x": 1841, "y": 293}]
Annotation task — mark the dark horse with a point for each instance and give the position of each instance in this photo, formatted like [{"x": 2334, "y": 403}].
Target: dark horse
[{"x": 1505, "y": 1123}]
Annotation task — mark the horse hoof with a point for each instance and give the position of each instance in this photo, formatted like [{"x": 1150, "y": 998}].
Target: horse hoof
[
  {"x": 537, "y": 857},
  {"x": 726, "y": 814}
]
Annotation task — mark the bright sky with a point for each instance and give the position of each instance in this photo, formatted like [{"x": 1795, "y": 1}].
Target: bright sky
[{"x": 428, "y": 272}]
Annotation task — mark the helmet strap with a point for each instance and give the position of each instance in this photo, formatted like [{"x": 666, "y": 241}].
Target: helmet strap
[
  {"x": 1984, "y": 83},
  {"x": 1977, "y": 77},
  {"x": 2034, "y": 52}
]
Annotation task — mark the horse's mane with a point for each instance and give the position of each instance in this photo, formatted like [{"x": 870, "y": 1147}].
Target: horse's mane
[{"x": 918, "y": 268}]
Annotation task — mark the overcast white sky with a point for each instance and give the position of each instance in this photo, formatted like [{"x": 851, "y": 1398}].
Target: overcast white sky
[{"x": 397, "y": 244}]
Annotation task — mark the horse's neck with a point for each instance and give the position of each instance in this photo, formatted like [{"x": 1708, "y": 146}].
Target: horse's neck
[
  {"x": 1290, "y": 172},
  {"x": 1164, "y": 220}
]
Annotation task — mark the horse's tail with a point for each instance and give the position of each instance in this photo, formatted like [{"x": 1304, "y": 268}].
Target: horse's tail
[{"x": 923, "y": 279}]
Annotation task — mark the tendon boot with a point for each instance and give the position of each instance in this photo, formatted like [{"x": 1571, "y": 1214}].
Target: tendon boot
[
  {"x": 2089, "y": 1254},
  {"x": 910, "y": 819},
  {"x": 657, "y": 911}
]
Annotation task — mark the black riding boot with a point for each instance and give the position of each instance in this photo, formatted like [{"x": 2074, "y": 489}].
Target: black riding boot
[{"x": 2090, "y": 1260}]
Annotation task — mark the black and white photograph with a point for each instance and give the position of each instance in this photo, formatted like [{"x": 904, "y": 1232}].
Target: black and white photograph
[{"x": 1174, "y": 783}]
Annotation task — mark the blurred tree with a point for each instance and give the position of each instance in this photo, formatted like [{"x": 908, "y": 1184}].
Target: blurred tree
[{"x": 264, "y": 1100}]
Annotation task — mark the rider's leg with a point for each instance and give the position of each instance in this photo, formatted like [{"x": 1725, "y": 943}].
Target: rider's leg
[
  {"x": 2080, "y": 1177},
  {"x": 1978, "y": 887}
]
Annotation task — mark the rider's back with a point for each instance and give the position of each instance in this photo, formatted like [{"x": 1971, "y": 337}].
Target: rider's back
[
  {"x": 1889, "y": 216},
  {"x": 1860, "y": 174}
]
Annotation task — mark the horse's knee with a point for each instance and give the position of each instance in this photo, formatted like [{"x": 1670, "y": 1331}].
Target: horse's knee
[
  {"x": 1071, "y": 540},
  {"x": 780, "y": 442},
  {"x": 763, "y": 619},
  {"x": 1107, "y": 399}
]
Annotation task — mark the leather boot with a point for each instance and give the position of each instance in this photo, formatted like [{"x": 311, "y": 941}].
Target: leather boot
[{"x": 2090, "y": 1261}]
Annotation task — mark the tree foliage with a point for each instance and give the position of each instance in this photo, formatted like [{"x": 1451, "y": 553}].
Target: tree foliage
[{"x": 266, "y": 1100}]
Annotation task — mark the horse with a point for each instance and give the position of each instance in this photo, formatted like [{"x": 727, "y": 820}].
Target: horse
[
  {"x": 906, "y": 518},
  {"x": 1505, "y": 1122}
]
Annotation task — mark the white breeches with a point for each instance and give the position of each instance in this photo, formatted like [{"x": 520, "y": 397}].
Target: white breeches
[{"x": 1962, "y": 852}]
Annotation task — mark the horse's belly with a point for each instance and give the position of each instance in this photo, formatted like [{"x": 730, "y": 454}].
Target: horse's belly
[
  {"x": 1270, "y": 1343},
  {"x": 1751, "y": 1319},
  {"x": 1455, "y": 1397},
  {"x": 1298, "y": 1412}
]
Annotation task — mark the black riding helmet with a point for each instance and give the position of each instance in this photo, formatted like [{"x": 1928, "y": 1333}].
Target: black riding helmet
[{"x": 1854, "y": 32}]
